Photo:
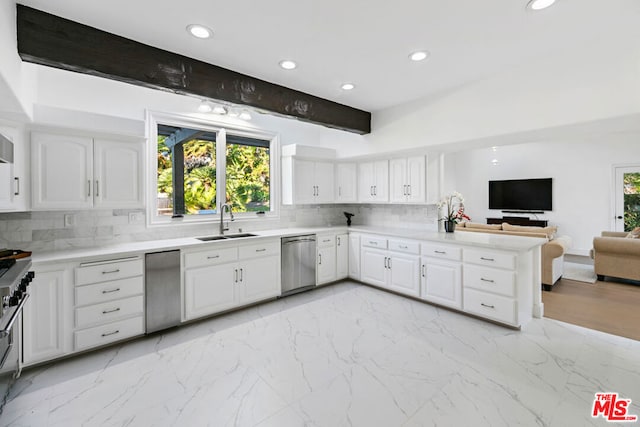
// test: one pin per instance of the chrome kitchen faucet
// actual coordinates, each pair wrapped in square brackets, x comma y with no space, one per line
[222,208]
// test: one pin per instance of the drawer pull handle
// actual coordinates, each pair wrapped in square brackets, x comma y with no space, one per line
[261,250]
[111,271]
[373,243]
[110,311]
[326,240]
[487,305]
[213,257]
[440,252]
[486,259]
[111,291]
[487,280]
[403,247]
[110,333]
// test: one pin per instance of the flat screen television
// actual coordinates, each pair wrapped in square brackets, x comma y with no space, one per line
[521,194]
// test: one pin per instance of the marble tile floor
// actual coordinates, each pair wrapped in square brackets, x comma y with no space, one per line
[341,355]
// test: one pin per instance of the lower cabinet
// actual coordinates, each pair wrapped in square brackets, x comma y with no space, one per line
[342,256]
[225,277]
[354,256]
[47,315]
[442,282]
[388,268]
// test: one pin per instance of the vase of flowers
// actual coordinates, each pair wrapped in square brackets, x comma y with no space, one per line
[454,204]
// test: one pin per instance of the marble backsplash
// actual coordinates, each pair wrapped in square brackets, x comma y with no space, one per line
[46,231]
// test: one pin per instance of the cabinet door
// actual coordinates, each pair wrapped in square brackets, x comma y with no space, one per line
[209,290]
[354,257]
[381,187]
[324,181]
[62,171]
[259,279]
[303,181]
[342,256]
[326,266]
[416,179]
[14,183]
[43,323]
[398,184]
[366,181]
[442,282]
[118,174]
[405,274]
[346,183]
[373,266]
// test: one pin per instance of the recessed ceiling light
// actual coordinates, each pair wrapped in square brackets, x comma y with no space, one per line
[199,31]
[288,64]
[204,107]
[245,115]
[419,55]
[540,4]
[219,109]
[348,86]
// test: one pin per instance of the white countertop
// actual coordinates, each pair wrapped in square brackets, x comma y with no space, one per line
[485,240]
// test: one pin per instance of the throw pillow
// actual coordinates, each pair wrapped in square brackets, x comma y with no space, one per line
[550,231]
[482,226]
[634,234]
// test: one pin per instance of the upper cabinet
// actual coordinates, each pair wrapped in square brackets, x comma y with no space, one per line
[346,183]
[77,172]
[407,180]
[14,176]
[373,181]
[308,175]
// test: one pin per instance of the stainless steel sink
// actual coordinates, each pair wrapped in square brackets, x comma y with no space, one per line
[211,238]
[236,236]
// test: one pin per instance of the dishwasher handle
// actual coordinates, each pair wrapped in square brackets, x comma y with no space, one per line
[297,241]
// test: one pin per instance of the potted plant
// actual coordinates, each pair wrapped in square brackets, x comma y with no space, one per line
[454,204]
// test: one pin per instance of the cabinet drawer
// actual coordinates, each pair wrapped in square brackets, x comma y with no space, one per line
[491,306]
[105,334]
[490,258]
[212,256]
[374,242]
[262,249]
[404,246]
[104,271]
[109,311]
[326,241]
[490,279]
[108,291]
[442,251]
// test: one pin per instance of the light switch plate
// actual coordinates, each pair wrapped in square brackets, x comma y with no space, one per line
[69,220]
[135,217]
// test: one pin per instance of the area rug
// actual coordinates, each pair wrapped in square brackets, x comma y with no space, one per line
[579,272]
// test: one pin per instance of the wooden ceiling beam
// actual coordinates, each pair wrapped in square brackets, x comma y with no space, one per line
[53,41]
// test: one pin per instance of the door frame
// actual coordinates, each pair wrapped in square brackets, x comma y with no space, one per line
[616,191]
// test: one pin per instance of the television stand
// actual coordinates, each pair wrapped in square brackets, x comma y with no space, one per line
[519,220]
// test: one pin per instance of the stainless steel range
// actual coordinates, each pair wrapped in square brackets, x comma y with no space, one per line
[14,281]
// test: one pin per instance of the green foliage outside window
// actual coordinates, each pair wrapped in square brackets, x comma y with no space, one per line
[631,201]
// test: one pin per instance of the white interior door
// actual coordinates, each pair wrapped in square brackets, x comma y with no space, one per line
[627,198]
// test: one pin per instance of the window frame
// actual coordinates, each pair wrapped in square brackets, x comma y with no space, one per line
[221,128]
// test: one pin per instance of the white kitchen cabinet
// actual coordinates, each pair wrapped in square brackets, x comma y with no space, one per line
[393,264]
[77,172]
[342,256]
[307,181]
[354,256]
[441,273]
[346,183]
[407,180]
[223,277]
[373,181]
[326,263]
[14,184]
[48,315]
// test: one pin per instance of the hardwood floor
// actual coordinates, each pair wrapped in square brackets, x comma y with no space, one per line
[607,306]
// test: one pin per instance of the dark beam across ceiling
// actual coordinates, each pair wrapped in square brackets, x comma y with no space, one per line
[57,42]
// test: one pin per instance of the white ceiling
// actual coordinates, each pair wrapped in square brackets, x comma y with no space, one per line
[363,41]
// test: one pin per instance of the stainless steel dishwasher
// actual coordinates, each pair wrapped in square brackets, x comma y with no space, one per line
[162,290]
[298,263]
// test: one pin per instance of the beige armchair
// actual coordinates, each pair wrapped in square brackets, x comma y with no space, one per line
[615,256]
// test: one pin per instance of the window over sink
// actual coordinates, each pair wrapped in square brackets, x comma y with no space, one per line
[199,166]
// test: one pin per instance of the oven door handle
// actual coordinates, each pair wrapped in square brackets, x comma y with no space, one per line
[7,329]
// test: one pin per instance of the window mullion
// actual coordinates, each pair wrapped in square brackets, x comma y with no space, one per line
[221,169]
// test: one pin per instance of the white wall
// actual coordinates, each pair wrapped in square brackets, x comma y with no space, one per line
[582,180]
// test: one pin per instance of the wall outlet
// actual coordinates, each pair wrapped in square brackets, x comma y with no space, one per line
[69,220]
[135,217]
